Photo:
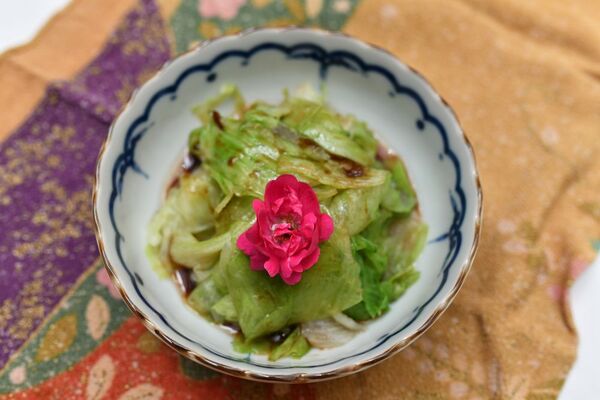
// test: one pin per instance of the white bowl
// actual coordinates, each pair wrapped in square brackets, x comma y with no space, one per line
[396,102]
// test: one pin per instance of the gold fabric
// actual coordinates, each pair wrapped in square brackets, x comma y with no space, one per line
[524,79]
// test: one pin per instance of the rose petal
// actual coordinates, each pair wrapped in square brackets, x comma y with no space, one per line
[244,242]
[311,259]
[293,278]
[272,266]
[285,270]
[325,227]
[295,243]
[308,224]
[308,198]
[257,261]
[280,187]
[258,206]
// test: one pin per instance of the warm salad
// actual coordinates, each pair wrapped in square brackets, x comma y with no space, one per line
[289,224]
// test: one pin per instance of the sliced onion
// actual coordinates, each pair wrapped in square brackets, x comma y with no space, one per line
[326,333]
[347,322]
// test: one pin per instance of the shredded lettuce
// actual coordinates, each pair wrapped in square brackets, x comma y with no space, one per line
[355,209]
[204,297]
[186,211]
[294,346]
[329,173]
[316,122]
[402,198]
[373,262]
[404,244]
[366,264]
[260,345]
[267,305]
[224,310]
[387,270]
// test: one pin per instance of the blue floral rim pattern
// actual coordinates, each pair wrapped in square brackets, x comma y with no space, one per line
[326,60]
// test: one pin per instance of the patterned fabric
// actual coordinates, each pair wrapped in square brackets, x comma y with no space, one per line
[195,20]
[46,177]
[523,83]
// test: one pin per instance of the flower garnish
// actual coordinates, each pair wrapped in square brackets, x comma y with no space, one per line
[289,226]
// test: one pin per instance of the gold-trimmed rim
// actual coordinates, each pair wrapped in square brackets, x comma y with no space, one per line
[296,377]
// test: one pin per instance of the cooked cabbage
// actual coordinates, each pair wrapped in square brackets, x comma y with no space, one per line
[366,264]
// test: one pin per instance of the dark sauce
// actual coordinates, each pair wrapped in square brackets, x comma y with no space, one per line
[305,143]
[172,184]
[190,162]
[280,336]
[351,168]
[274,339]
[354,171]
[217,119]
[185,280]
[231,327]
[386,156]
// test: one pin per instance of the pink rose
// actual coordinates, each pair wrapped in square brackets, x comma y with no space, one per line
[289,226]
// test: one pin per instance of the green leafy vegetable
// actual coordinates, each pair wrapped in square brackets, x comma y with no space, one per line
[396,285]
[373,263]
[355,209]
[204,296]
[404,244]
[317,122]
[366,264]
[185,211]
[228,92]
[405,199]
[260,345]
[386,271]
[329,173]
[294,346]
[224,310]
[267,305]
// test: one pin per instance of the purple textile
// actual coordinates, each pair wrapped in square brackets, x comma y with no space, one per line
[46,176]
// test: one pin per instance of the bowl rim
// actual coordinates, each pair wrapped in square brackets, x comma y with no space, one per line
[338,372]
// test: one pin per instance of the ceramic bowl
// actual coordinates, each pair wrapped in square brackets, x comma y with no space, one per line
[398,104]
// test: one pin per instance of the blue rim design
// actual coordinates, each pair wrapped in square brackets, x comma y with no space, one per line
[325,59]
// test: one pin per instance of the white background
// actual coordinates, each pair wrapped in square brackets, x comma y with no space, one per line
[20,20]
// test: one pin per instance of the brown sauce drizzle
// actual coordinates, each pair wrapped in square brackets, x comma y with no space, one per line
[354,171]
[351,168]
[185,280]
[190,162]
[217,119]
[231,327]
[280,336]
[172,184]
[304,143]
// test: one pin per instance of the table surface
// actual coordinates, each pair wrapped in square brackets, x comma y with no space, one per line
[20,21]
